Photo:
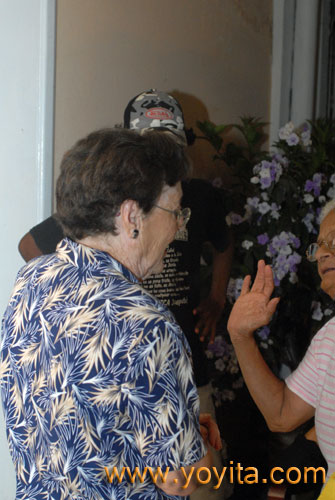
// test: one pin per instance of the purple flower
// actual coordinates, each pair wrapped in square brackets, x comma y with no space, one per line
[253,202]
[293,261]
[292,139]
[296,242]
[263,333]
[265,182]
[235,219]
[263,239]
[309,186]
[314,185]
[276,281]
[218,347]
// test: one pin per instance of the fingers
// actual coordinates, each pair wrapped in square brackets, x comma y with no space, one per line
[218,444]
[258,284]
[268,281]
[205,418]
[246,285]
[263,282]
[213,333]
[204,432]
[205,330]
[273,305]
[214,436]
[206,325]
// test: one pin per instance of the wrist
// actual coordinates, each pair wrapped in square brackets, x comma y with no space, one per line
[242,338]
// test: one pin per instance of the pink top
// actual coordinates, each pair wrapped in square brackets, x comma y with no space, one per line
[314,382]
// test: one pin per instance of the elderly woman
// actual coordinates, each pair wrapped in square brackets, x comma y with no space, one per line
[310,390]
[95,372]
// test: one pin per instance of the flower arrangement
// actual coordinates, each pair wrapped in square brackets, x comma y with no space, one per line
[274,209]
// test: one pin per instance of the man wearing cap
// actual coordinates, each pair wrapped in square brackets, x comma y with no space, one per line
[178,286]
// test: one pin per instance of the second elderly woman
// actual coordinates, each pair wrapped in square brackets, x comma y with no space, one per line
[95,371]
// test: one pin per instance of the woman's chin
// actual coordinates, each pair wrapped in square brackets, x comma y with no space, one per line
[328,286]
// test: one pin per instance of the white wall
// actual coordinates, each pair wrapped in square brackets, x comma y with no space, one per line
[294,62]
[26,123]
[214,55]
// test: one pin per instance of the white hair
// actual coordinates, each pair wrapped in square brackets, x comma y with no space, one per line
[328,207]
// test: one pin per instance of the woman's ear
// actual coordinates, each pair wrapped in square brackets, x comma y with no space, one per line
[130,218]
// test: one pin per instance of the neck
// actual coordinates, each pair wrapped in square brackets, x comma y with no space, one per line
[116,247]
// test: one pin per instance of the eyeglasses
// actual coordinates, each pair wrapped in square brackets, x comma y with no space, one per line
[329,243]
[182,215]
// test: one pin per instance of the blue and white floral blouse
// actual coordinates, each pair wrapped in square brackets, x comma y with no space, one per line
[95,373]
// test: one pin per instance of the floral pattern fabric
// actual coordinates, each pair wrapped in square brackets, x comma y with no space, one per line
[95,373]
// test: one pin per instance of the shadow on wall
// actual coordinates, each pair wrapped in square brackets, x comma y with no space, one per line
[201,151]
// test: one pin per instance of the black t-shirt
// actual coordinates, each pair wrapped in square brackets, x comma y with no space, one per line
[47,235]
[178,286]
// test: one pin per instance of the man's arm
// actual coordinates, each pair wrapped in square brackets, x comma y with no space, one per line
[210,309]
[28,248]
[41,239]
[282,408]
[183,483]
[176,480]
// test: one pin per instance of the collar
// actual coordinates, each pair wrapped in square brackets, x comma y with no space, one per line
[85,257]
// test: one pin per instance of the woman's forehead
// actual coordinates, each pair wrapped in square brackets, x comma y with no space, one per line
[172,192]
[327,225]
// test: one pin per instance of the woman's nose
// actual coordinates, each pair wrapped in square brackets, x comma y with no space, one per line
[323,251]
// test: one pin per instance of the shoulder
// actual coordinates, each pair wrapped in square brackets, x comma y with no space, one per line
[325,337]
[51,222]
[47,234]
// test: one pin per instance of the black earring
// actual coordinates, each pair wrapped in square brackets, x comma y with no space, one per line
[135,233]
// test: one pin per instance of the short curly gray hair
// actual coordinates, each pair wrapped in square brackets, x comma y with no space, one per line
[328,207]
[110,166]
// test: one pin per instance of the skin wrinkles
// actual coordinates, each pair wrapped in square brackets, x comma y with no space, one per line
[325,257]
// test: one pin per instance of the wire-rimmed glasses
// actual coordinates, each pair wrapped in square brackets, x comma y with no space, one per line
[329,243]
[182,215]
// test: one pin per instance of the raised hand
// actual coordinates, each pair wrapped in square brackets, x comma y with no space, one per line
[254,307]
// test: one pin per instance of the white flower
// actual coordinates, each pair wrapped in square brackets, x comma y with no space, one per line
[286,131]
[328,312]
[265,196]
[322,199]
[247,244]
[219,365]
[275,211]
[264,208]
[234,289]
[285,250]
[275,214]
[332,179]
[265,173]
[331,193]
[308,198]
[317,312]
[306,138]
[293,278]
[307,220]
[252,202]
[254,180]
